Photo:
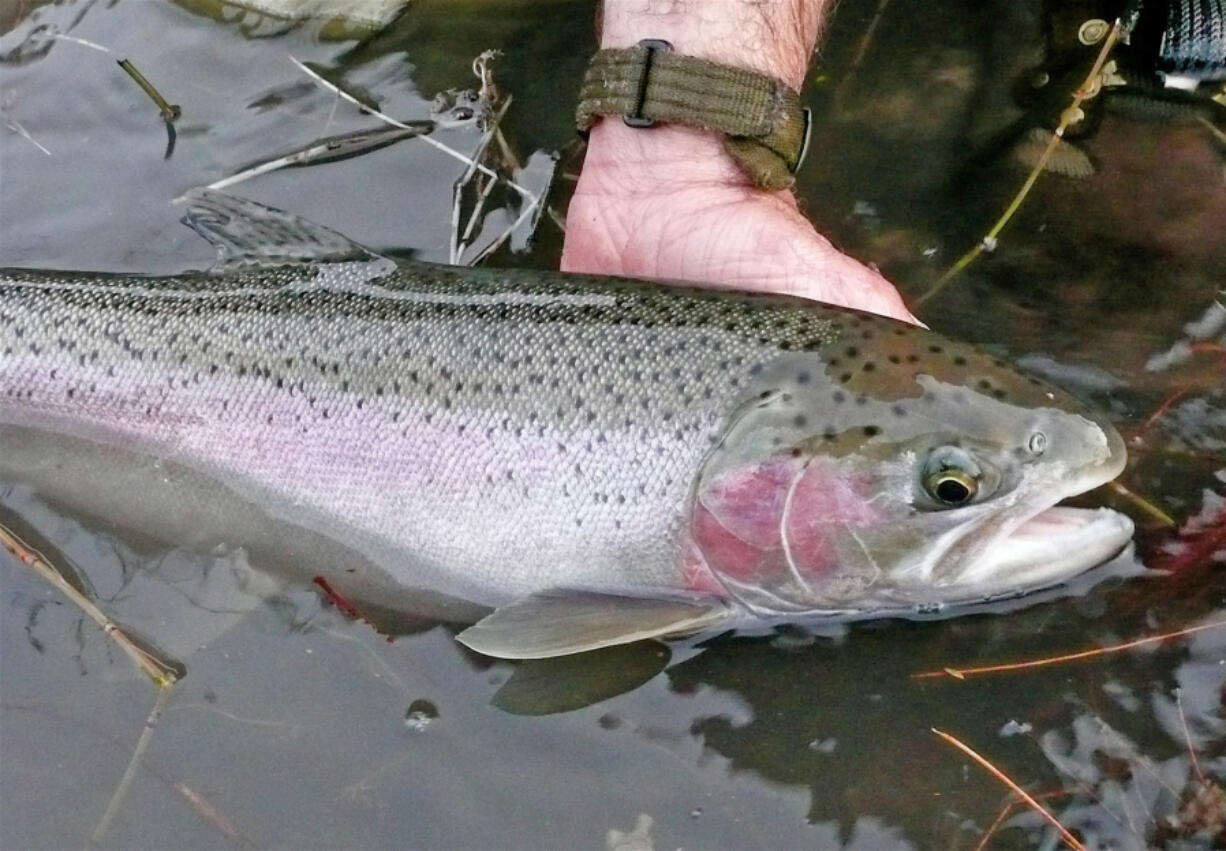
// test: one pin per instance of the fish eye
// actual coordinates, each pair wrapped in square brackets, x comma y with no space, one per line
[953,487]
[951,476]
[1038,443]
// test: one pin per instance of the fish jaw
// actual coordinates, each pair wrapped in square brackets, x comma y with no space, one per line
[1048,548]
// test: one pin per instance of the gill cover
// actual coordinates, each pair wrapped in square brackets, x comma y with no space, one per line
[779,526]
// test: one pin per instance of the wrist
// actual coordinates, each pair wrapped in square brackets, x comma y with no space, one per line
[771,37]
[660,159]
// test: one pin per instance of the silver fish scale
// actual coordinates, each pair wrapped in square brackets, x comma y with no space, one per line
[488,433]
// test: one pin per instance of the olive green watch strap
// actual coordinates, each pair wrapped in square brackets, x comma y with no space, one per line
[765,129]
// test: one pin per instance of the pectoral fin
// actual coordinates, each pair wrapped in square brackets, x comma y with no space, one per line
[558,623]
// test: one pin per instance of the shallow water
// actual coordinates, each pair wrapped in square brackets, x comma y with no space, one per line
[296,727]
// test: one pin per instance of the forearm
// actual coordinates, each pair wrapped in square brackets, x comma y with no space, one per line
[772,37]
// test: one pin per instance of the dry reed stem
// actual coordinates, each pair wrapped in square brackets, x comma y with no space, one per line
[1004,814]
[963,673]
[1018,790]
[142,744]
[161,672]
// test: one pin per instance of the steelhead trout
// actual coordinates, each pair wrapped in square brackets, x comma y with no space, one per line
[595,460]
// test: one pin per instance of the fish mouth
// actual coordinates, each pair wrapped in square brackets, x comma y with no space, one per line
[1053,545]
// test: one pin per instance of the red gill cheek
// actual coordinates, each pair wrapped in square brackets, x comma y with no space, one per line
[749,502]
[824,504]
[740,521]
[737,527]
[724,552]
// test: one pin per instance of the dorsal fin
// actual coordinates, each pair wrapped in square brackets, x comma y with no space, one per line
[247,233]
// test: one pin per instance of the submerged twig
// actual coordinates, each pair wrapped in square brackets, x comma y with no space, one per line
[328,150]
[1090,87]
[162,671]
[1017,790]
[212,815]
[963,673]
[142,744]
[862,47]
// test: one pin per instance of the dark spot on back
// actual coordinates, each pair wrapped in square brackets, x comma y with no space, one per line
[871,431]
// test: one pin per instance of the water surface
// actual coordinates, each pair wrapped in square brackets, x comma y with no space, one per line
[302,729]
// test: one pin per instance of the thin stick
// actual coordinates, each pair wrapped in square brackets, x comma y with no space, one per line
[457,198]
[1187,736]
[1088,88]
[211,814]
[170,111]
[466,239]
[996,823]
[1004,814]
[861,51]
[963,673]
[493,246]
[1162,409]
[1144,504]
[162,672]
[75,40]
[21,131]
[1018,790]
[121,791]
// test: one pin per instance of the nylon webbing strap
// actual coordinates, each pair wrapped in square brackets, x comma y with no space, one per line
[765,130]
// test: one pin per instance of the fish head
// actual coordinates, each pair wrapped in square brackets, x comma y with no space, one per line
[897,470]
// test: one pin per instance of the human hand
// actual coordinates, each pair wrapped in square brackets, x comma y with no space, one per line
[676,207]
[669,203]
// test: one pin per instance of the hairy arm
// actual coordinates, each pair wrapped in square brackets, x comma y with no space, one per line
[668,202]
